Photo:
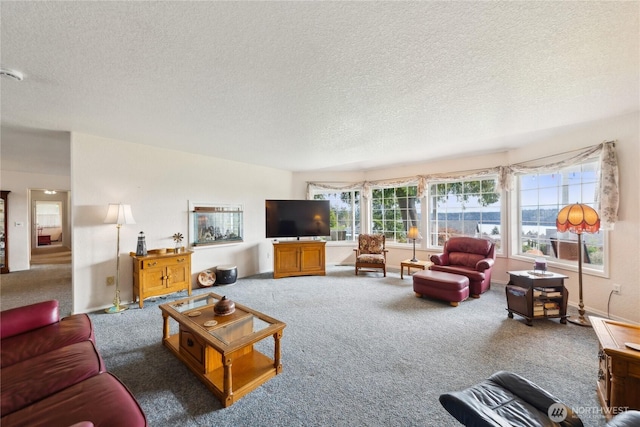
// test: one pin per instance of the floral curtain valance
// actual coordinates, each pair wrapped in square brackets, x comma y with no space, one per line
[607,197]
[607,194]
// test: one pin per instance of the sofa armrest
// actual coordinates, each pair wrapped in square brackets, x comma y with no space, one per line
[440,259]
[484,264]
[23,319]
[534,395]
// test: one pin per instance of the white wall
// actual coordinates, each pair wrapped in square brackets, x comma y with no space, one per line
[19,183]
[624,241]
[158,184]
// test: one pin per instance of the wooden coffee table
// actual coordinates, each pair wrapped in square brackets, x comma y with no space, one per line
[422,265]
[222,355]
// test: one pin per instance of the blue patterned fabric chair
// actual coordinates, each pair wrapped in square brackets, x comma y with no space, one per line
[371,254]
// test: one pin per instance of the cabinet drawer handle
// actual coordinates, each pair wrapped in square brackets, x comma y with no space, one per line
[152,264]
[181,260]
[189,342]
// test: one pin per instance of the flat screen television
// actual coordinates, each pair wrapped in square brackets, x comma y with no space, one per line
[297,218]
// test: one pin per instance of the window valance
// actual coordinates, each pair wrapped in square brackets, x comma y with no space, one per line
[607,194]
[607,197]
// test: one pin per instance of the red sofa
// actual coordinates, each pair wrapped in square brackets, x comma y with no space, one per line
[470,257]
[52,374]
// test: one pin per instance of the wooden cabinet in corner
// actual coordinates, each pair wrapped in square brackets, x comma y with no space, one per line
[298,258]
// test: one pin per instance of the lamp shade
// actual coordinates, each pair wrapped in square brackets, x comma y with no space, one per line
[119,214]
[413,232]
[578,218]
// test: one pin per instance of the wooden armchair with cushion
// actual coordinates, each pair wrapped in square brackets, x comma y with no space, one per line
[371,253]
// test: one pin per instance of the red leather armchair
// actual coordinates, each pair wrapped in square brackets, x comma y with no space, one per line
[470,257]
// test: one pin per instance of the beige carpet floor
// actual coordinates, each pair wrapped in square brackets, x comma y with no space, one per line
[55,254]
[48,278]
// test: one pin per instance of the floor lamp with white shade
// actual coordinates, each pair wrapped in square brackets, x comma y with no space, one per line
[120,215]
[578,219]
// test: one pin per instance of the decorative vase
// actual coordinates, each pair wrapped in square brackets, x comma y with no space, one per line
[224,307]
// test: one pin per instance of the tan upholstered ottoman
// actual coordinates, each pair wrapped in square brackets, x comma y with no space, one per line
[440,285]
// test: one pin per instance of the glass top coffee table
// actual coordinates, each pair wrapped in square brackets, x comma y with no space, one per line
[219,350]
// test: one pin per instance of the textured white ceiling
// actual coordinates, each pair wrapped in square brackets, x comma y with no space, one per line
[319,85]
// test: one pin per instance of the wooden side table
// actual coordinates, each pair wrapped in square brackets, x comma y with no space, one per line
[528,294]
[618,380]
[422,265]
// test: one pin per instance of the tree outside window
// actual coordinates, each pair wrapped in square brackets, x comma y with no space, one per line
[394,210]
[465,208]
[344,213]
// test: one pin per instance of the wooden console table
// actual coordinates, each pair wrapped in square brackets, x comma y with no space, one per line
[618,385]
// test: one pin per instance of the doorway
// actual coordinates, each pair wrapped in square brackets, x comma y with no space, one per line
[48,216]
[50,229]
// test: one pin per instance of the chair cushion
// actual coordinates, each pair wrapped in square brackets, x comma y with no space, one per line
[506,400]
[101,399]
[69,330]
[371,243]
[472,274]
[28,381]
[371,259]
[465,259]
[469,245]
[23,319]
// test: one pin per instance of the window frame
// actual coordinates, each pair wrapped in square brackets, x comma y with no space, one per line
[515,218]
[356,230]
[419,215]
[501,249]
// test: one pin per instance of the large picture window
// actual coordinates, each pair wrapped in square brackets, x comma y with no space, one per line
[469,207]
[345,213]
[394,210]
[541,196]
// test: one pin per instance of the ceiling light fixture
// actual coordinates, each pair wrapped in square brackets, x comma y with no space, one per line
[50,191]
[13,74]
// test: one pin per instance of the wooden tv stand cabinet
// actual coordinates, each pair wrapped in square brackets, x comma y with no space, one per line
[298,258]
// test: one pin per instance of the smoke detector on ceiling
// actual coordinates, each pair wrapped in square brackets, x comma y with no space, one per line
[12,74]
